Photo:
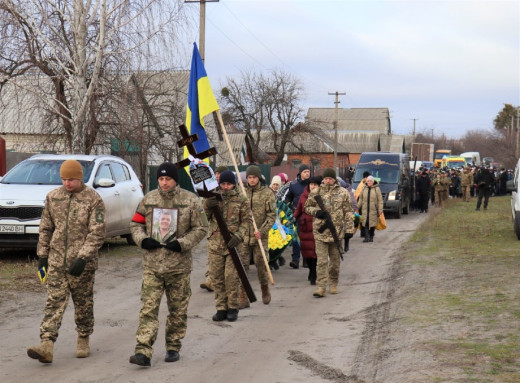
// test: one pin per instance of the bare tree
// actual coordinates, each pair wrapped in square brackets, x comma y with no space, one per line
[80,46]
[258,103]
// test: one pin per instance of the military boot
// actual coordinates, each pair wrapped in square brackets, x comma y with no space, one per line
[82,349]
[232,315]
[207,285]
[320,292]
[43,352]
[333,289]
[266,295]
[243,300]
[220,315]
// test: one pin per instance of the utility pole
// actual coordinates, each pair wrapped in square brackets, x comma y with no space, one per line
[336,102]
[414,119]
[202,25]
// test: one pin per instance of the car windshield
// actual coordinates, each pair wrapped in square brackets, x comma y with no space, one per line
[42,172]
[383,174]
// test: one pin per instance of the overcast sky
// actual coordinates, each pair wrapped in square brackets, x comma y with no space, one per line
[449,64]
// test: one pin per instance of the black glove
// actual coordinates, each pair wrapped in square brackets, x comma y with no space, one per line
[77,266]
[43,262]
[174,246]
[348,235]
[234,241]
[150,244]
[321,214]
[211,202]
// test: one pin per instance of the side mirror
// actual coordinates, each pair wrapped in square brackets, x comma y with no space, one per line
[105,183]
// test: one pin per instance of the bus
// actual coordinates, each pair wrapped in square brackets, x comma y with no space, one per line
[439,155]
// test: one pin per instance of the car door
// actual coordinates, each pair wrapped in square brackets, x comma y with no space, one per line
[111,198]
[129,193]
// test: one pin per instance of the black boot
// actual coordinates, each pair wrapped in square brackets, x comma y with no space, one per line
[220,315]
[140,360]
[232,315]
[281,261]
[371,234]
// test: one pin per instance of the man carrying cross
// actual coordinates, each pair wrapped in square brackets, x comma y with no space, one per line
[223,274]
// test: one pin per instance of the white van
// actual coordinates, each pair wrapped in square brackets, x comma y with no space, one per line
[515,201]
[472,158]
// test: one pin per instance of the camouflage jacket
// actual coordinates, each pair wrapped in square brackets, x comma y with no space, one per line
[235,212]
[72,226]
[338,204]
[467,179]
[262,202]
[191,228]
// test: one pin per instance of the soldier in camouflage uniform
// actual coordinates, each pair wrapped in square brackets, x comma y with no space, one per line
[261,201]
[438,187]
[467,184]
[207,281]
[166,267]
[339,207]
[223,273]
[72,229]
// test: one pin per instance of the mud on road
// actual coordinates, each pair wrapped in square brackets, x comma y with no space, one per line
[339,338]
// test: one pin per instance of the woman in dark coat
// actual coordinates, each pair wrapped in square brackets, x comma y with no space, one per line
[307,245]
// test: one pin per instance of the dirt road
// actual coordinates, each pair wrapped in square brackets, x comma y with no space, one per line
[297,338]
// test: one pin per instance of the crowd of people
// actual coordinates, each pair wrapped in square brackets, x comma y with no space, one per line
[170,221]
[437,185]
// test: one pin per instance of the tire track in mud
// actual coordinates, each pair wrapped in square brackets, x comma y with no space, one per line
[321,369]
[372,349]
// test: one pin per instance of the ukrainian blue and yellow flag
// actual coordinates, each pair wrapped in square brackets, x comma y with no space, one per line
[201,102]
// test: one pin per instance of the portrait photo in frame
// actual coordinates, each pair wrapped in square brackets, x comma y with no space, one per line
[164,224]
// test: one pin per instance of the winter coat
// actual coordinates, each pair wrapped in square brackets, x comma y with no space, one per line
[296,189]
[371,204]
[423,185]
[307,244]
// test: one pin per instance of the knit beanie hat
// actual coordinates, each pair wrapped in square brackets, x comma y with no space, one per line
[276,180]
[227,176]
[169,170]
[71,169]
[283,177]
[253,170]
[329,172]
[220,169]
[303,167]
[316,180]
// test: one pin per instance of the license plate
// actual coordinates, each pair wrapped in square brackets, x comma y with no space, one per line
[14,229]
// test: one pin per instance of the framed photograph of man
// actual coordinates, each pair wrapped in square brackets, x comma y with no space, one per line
[164,224]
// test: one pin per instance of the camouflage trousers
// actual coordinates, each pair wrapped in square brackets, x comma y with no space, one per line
[466,192]
[327,269]
[245,253]
[225,280]
[440,197]
[60,284]
[177,289]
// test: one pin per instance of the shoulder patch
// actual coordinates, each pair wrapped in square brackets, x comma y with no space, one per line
[100,215]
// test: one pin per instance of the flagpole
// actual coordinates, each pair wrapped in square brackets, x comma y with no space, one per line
[242,188]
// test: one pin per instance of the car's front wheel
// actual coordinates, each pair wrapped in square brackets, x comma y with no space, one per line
[516,224]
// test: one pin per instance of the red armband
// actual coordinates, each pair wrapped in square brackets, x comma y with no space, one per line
[139,218]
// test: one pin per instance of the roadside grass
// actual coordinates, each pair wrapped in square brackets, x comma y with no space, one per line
[469,291]
[18,267]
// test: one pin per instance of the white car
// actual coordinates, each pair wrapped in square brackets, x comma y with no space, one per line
[515,201]
[24,188]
